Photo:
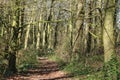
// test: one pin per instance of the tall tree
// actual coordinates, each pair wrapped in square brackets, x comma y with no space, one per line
[13,31]
[78,24]
[118,22]
[109,42]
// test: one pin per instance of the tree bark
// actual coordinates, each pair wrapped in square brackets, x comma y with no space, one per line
[38,34]
[12,62]
[27,36]
[108,33]
[110,67]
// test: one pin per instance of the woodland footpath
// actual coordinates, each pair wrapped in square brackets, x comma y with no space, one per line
[60,39]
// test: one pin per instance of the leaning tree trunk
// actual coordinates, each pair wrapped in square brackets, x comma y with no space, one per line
[78,24]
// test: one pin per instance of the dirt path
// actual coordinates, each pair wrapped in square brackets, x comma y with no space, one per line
[47,70]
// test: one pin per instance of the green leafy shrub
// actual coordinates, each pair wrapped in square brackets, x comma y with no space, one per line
[64,51]
[78,68]
[95,76]
[45,52]
[26,59]
[110,69]
[86,68]
[3,60]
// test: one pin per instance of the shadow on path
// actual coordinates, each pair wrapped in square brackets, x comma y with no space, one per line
[46,70]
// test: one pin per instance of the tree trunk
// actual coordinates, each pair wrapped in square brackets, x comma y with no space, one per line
[87,36]
[79,21]
[38,35]
[27,36]
[118,23]
[108,33]
[12,62]
[108,43]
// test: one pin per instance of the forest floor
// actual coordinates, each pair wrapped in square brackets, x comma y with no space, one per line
[46,70]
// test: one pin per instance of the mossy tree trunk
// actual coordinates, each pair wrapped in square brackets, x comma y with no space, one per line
[38,34]
[87,26]
[13,41]
[110,68]
[118,23]
[78,24]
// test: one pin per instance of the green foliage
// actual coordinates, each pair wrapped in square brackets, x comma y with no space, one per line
[3,65]
[53,57]
[45,52]
[95,76]
[87,68]
[78,68]
[118,57]
[110,69]
[64,51]
[26,59]
[3,60]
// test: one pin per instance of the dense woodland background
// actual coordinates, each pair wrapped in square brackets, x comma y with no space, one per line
[83,36]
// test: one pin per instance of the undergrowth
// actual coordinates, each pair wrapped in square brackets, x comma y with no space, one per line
[90,66]
[26,59]
[3,60]
[86,68]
